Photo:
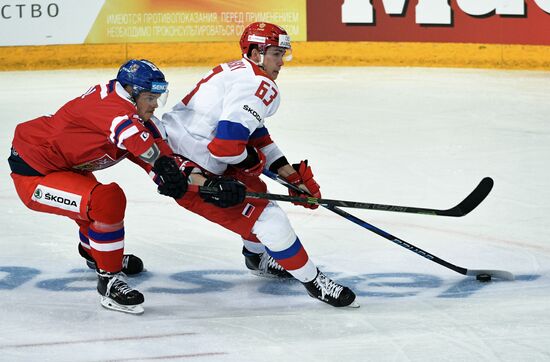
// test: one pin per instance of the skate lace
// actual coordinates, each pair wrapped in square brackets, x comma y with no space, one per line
[125,261]
[327,286]
[267,262]
[119,284]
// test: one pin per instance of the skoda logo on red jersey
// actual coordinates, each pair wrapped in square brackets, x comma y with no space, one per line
[38,193]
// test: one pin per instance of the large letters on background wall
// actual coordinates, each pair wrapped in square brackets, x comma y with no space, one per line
[435,11]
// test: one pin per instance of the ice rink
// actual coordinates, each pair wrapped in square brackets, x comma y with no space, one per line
[405,136]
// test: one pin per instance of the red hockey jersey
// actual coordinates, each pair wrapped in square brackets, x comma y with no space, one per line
[91,132]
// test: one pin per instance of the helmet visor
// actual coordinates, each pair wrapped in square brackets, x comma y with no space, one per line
[162,89]
[154,99]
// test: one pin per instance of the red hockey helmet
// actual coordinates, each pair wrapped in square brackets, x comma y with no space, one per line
[264,35]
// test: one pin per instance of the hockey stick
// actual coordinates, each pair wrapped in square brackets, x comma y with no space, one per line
[469,272]
[468,204]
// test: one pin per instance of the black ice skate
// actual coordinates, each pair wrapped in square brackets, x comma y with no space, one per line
[117,295]
[330,292]
[131,264]
[264,265]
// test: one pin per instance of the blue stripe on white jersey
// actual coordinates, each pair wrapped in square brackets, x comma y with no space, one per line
[228,130]
[259,132]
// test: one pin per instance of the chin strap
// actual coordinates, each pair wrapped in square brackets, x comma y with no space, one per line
[260,63]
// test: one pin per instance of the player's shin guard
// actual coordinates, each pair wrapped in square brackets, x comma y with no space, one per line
[131,264]
[107,245]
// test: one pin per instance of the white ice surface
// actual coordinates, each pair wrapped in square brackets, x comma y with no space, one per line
[407,136]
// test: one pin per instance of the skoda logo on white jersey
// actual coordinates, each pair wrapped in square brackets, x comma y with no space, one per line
[252,112]
[57,198]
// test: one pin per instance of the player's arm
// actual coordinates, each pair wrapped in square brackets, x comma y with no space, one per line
[157,161]
[150,152]
[243,113]
[299,175]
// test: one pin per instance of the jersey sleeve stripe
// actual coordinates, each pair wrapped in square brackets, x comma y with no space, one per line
[261,142]
[220,148]
[228,130]
[121,129]
[259,132]
[117,125]
[127,133]
[230,142]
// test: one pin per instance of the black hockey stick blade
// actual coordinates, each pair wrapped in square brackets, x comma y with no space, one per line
[471,201]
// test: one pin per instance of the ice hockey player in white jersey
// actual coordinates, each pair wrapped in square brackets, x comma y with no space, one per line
[220,125]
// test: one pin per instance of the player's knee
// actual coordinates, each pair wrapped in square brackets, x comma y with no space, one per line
[273,228]
[107,204]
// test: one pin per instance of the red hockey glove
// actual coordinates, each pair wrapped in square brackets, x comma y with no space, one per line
[303,178]
[253,164]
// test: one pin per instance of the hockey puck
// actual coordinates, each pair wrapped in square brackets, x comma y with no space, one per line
[484,278]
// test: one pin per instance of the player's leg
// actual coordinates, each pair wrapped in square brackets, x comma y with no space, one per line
[255,257]
[273,229]
[101,207]
[131,264]
[259,261]
[270,225]
[106,239]
[239,219]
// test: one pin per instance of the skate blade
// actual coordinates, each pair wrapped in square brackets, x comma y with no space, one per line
[112,305]
[269,275]
[353,304]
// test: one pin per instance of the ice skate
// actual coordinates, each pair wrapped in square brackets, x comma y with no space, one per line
[117,295]
[131,264]
[264,265]
[330,292]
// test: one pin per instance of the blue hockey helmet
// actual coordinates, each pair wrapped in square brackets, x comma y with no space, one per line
[142,76]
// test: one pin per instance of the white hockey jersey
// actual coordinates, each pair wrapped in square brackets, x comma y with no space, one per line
[223,114]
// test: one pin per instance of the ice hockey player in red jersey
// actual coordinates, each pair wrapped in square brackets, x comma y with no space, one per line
[53,157]
[220,126]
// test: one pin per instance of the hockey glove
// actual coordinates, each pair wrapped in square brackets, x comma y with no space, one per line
[173,181]
[230,192]
[253,164]
[303,178]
